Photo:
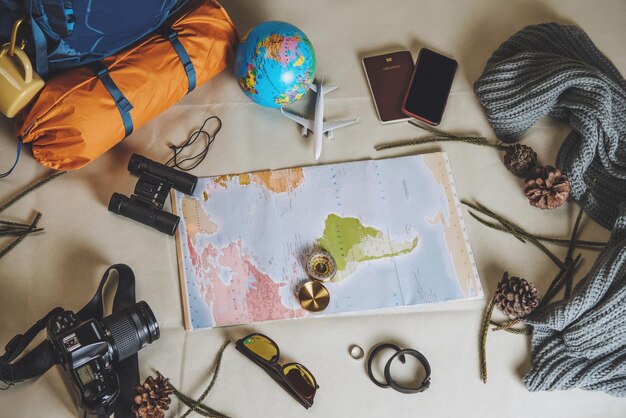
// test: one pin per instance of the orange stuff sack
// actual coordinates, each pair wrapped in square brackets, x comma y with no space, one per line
[82,113]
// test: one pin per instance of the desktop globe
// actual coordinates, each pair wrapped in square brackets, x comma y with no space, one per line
[275,64]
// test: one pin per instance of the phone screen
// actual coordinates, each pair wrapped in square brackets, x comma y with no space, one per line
[430,86]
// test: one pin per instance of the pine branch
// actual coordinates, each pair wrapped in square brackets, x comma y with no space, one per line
[196,405]
[18,232]
[558,282]
[573,240]
[13,224]
[507,326]
[30,189]
[516,230]
[440,136]
[12,245]
[437,132]
[198,408]
[430,140]
[28,229]
[517,235]
[522,235]
[484,329]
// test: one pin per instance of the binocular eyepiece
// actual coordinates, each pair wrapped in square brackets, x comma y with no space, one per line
[154,184]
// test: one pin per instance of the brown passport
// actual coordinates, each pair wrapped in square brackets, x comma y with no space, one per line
[389,76]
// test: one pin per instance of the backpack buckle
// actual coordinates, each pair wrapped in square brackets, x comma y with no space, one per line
[170,34]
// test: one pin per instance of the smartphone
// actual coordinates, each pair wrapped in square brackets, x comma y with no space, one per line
[430,86]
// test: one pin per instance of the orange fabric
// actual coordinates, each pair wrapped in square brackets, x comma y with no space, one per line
[75,119]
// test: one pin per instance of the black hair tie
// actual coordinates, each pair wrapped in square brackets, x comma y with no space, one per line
[400,355]
[373,354]
[420,357]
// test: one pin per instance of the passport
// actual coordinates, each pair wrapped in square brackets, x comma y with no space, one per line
[389,76]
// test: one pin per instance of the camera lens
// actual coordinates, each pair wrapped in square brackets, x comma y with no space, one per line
[131,329]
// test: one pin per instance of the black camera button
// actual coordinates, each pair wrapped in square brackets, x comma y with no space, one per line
[88,393]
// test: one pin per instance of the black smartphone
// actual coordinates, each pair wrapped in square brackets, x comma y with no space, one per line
[430,86]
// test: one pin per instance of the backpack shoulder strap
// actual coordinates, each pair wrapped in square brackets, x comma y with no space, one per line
[13,5]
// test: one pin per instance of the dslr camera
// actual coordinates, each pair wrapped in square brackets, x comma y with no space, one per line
[90,350]
[97,352]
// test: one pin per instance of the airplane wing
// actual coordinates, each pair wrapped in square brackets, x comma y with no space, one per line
[306,123]
[329,126]
[325,89]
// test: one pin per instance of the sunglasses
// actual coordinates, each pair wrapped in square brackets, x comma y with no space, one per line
[296,379]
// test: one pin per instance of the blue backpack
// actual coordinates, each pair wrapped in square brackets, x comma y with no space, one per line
[70,33]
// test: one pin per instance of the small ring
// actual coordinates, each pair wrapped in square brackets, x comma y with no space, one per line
[373,354]
[356,352]
[403,389]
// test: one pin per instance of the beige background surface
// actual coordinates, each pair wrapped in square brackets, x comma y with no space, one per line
[63,265]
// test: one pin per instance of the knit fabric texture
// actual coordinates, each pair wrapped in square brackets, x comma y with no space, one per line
[552,69]
[581,342]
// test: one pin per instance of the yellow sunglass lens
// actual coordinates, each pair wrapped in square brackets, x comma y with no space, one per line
[300,379]
[261,346]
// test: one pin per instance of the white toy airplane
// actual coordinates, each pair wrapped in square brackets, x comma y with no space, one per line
[317,125]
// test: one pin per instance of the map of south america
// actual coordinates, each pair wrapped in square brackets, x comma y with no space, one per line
[351,243]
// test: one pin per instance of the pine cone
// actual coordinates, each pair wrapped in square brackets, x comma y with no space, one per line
[153,397]
[520,159]
[546,187]
[515,297]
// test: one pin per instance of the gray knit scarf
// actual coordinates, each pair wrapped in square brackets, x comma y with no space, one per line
[556,70]
[581,342]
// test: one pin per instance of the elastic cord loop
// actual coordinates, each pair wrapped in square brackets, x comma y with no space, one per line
[17,158]
[177,150]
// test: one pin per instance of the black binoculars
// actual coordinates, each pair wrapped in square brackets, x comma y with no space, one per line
[154,184]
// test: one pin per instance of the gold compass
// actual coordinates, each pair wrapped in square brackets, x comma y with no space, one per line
[313,296]
[321,265]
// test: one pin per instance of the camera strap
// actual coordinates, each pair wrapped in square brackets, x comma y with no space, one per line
[41,358]
[128,370]
[34,363]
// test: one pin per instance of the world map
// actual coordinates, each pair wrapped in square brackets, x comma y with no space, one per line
[393,226]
